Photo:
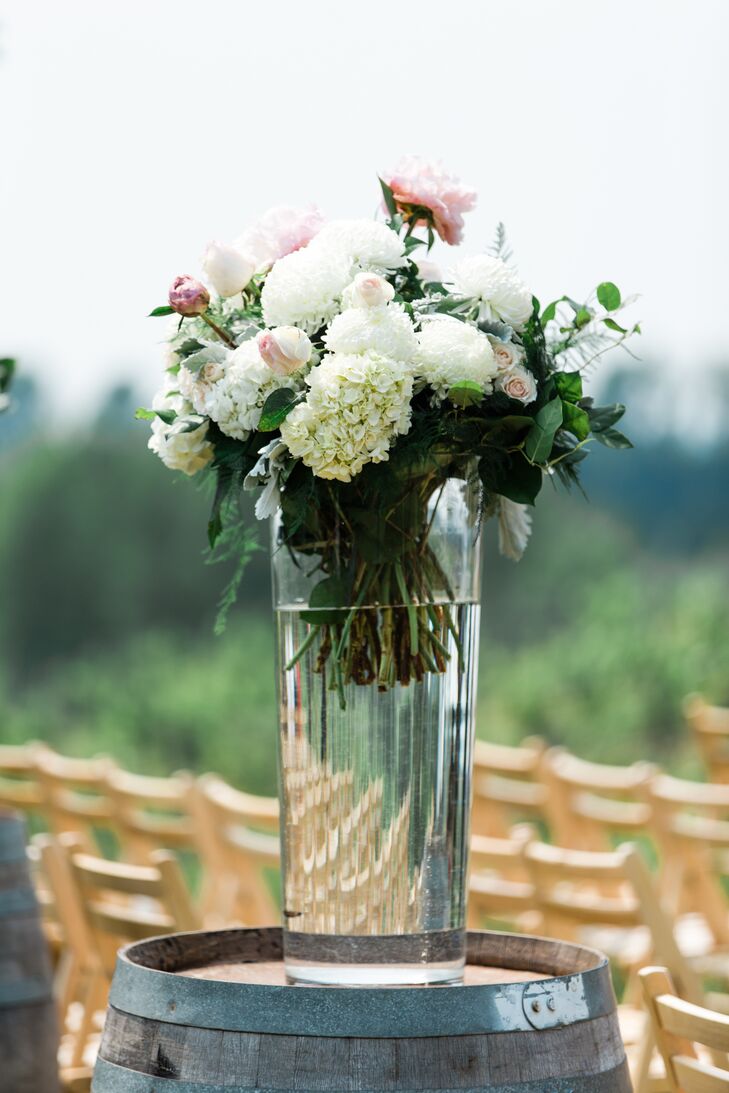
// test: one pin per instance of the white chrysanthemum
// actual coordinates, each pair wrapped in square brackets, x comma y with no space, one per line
[502,293]
[235,400]
[356,406]
[183,445]
[303,289]
[386,330]
[367,243]
[451,351]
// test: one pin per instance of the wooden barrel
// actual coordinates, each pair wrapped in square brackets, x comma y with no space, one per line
[211,1013]
[28,1029]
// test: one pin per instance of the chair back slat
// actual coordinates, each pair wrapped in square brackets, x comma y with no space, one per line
[506,786]
[678,1026]
[591,805]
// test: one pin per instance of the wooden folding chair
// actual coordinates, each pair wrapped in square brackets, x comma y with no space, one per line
[678,1026]
[500,889]
[710,728]
[74,793]
[81,981]
[151,813]
[691,824]
[238,835]
[506,786]
[608,899]
[19,788]
[592,806]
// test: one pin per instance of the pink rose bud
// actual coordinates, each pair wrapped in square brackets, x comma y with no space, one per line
[285,349]
[370,290]
[188,297]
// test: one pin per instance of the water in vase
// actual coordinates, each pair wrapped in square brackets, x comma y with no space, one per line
[375,792]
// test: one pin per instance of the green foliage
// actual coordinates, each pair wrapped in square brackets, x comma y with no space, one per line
[158,312]
[277,408]
[608,295]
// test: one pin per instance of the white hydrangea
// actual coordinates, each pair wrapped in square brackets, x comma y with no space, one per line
[356,406]
[451,351]
[304,288]
[368,244]
[502,293]
[233,394]
[386,330]
[183,445]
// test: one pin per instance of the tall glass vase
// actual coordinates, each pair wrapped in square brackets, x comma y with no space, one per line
[375,752]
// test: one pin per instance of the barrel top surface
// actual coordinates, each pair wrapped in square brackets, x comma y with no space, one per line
[234,980]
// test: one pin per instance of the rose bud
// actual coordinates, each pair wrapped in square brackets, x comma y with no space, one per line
[188,297]
[370,290]
[227,269]
[285,349]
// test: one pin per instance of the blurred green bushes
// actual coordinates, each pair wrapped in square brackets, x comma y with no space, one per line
[106,613]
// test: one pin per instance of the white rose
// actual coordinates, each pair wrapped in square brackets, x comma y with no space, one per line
[428,271]
[507,354]
[285,349]
[368,290]
[227,269]
[518,384]
[180,446]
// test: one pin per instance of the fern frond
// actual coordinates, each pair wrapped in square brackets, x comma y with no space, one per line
[500,247]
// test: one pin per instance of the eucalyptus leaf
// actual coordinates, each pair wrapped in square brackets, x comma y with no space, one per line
[326,602]
[277,407]
[575,420]
[603,417]
[518,480]
[612,438]
[540,438]
[569,385]
[608,295]
[208,354]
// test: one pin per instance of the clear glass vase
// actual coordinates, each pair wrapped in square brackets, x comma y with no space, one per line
[375,753]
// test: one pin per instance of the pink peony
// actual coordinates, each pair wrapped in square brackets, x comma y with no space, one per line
[188,296]
[280,231]
[417,181]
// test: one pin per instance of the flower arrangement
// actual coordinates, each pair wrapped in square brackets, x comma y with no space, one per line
[331,367]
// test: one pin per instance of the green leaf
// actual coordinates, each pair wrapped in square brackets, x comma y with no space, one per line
[165,309]
[168,416]
[390,203]
[466,393]
[326,602]
[582,317]
[550,311]
[277,407]
[608,295]
[602,417]
[611,438]
[575,420]
[520,481]
[569,385]
[540,438]
[7,368]
[612,325]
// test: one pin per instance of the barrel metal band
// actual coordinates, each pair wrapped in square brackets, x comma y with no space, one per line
[110,1078]
[365,1012]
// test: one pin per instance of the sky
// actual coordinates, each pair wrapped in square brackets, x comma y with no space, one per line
[136,131]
